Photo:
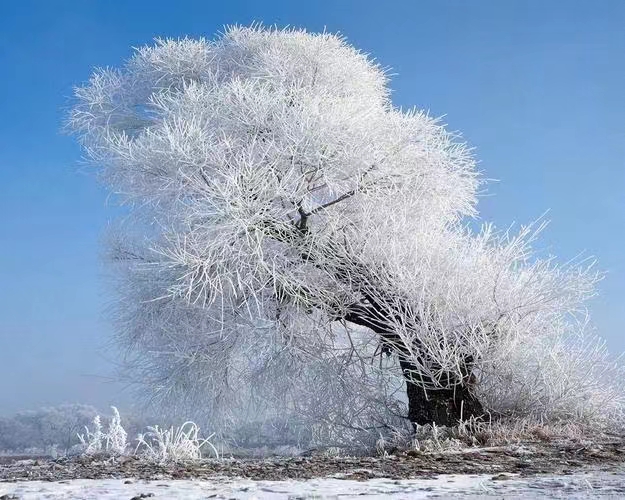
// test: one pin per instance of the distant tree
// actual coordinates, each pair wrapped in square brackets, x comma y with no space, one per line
[288,225]
[45,428]
[12,435]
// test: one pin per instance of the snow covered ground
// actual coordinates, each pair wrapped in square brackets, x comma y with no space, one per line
[580,485]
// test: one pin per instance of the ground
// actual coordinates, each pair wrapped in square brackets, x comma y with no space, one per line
[534,470]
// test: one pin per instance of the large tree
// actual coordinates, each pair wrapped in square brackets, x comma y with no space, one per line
[284,213]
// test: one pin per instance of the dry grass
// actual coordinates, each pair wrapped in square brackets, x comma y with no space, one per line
[475,433]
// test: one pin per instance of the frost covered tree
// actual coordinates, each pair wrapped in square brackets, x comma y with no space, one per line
[295,238]
[45,429]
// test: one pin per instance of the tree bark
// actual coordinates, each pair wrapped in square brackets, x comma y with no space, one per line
[443,407]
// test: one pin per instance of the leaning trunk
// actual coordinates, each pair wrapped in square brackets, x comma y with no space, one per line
[441,406]
[444,406]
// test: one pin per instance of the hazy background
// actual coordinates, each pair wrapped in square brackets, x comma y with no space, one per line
[537,87]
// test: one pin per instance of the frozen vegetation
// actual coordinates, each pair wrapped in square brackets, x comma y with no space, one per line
[172,463]
[156,445]
[55,430]
[296,266]
[74,429]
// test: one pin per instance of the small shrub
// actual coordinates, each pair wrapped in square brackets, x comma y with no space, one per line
[160,445]
[173,444]
[93,442]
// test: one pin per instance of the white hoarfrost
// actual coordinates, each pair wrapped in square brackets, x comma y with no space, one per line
[156,445]
[173,444]
[277,198]
[113,440]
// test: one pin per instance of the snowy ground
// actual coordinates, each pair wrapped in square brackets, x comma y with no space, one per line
[579,485]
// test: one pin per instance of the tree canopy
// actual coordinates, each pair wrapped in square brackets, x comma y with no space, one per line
[297,245]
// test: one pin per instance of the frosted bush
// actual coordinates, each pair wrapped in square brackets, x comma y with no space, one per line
[173,444]
[93,441]
[116,435]
[113,440]
[157,444]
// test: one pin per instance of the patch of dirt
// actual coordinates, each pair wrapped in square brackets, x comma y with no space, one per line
[525,459]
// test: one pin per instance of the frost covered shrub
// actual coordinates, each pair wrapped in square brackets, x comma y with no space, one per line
[157,444]
[113,440]
[298,247]
[93,441]
[173,444]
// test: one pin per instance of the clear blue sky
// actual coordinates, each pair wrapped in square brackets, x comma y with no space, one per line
[537,87]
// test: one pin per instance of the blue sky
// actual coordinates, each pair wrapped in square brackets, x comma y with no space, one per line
[538,88]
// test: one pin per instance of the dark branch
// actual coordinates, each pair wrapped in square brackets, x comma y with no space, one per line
[318,209]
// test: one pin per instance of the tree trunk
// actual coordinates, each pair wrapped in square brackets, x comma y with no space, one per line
[441,407]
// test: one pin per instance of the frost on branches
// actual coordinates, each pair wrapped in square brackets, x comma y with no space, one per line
[297,249]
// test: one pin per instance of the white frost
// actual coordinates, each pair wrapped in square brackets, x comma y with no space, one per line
[279,199]
[579,485]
